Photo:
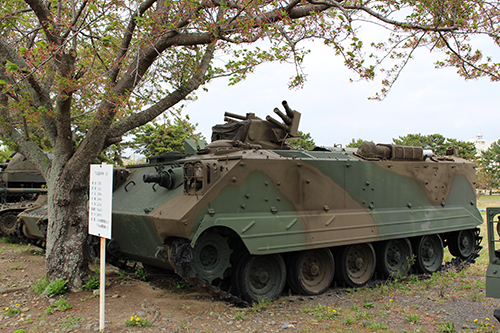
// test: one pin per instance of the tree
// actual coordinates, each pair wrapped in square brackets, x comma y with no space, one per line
[305,142]
[82,74]
[489,167]
[154,139]
[355,143]
[438,144]
[5,153]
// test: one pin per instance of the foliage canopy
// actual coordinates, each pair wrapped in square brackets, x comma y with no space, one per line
[305,142]
[489,167]
[156,138]
[75,77]
[438,144]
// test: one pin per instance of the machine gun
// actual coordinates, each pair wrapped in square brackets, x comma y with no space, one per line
[250,129]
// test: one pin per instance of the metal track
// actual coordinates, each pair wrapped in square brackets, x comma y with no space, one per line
[182,257]
[25,240]
[459,263]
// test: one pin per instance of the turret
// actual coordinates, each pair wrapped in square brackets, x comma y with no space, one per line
[256,132]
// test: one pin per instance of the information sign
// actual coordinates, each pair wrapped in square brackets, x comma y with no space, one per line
[101,193]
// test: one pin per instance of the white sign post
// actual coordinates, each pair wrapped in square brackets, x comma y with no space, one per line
[100,198]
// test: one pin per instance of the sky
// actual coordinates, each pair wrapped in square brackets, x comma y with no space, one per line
[334,110]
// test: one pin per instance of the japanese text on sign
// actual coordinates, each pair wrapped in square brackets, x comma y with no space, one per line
[100,200]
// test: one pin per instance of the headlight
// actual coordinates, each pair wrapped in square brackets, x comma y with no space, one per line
[188,171]
[198,171]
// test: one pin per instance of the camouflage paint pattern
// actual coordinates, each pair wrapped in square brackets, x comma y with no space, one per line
[282,201]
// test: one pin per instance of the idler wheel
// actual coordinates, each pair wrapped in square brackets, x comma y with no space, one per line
[355,264]
[311,272]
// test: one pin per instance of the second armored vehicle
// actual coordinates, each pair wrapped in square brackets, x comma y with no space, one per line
[20,185]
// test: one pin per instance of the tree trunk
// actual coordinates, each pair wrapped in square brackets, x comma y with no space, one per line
[66,245]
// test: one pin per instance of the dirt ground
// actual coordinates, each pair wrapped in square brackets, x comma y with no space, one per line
[447,302]
[452,301]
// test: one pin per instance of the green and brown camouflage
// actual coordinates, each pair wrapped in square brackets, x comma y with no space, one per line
[247,211]
[20,180]
[20,185]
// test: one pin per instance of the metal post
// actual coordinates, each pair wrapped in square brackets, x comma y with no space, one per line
[102,284]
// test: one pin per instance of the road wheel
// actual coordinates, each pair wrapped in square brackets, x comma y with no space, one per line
[355,264]
[261,277]
[394,258]
[311,272]
[461,243]
[429,251]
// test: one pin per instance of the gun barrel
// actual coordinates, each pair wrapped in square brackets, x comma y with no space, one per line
[233,115]
[289,111]
[277,123]
[287,120]
[22,190]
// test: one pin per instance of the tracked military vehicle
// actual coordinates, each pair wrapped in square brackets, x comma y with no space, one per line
[20,185]
[247,214]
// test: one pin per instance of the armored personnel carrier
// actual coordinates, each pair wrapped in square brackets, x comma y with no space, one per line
[247,214]
[20,185]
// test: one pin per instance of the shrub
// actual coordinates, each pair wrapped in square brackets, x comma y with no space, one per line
[92,284]
[40,285]
[57,287]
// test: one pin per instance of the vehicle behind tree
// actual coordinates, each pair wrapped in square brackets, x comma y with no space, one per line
[20,186]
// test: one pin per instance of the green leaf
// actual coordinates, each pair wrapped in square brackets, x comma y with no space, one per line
[106,40]
[11,67]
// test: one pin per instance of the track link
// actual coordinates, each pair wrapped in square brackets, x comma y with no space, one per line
[182,257]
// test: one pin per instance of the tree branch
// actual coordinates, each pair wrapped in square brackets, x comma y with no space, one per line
[40,95]
[465,61]
[141,118]
[124,47]
[46,20]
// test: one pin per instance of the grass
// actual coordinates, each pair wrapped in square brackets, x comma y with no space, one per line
[39,286]
[366,309]
[69,322]
[57,287]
